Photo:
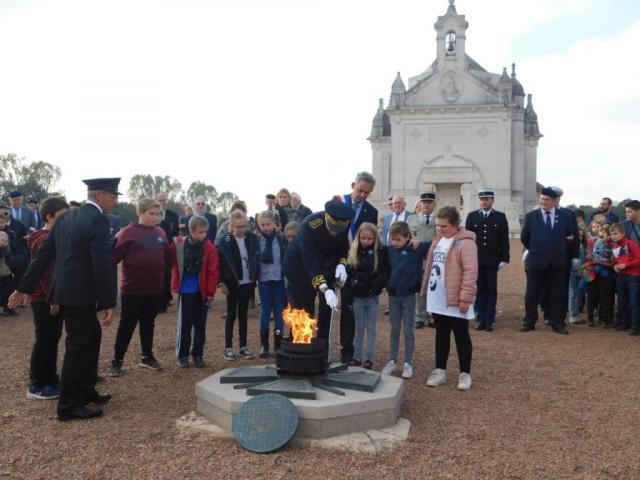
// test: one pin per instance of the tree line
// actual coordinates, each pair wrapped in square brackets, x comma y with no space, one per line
[39,179]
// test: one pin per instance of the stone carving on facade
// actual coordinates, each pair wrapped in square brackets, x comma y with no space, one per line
[450,86]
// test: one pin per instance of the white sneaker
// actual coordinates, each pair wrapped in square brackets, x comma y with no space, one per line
[464,381]
[437,377]
[407,371]
[389,368]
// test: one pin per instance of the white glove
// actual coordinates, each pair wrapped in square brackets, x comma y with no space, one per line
[524,256]
[331,298]
[575,263]
[341,274]
[501,265]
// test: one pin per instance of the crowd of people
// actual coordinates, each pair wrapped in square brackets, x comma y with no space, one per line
[62,259]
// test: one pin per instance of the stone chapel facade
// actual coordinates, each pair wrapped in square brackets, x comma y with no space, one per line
[457,129]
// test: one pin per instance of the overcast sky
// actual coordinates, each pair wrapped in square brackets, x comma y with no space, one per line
[251,96]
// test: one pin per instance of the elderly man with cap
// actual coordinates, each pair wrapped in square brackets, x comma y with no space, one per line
[492,238]
[315,262]
[21,213]
[547,236]
[82,286]
[423,228]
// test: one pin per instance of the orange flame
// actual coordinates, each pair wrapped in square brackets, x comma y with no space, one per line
[302,325]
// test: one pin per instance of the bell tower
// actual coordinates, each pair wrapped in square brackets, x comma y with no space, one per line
[450,36]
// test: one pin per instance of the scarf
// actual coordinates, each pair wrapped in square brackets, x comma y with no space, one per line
[193,256]
[267,255]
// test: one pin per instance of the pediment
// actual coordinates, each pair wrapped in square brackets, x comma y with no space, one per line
[449,87]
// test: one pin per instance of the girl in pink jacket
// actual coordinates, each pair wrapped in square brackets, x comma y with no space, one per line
[450,285]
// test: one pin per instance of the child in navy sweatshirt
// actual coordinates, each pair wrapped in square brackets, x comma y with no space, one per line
[405,279]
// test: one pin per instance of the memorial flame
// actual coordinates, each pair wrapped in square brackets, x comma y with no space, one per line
[301,324]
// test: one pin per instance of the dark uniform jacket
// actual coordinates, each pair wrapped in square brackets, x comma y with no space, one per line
[492,237]
[170,225]
[555,247]
[314,254]
[82,276]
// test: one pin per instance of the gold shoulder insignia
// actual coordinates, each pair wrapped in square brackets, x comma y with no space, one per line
[316,223]
[317,281]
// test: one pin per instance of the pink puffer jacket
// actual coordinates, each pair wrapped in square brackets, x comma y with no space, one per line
[461,268]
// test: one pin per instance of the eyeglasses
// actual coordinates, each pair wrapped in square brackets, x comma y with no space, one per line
[200,203]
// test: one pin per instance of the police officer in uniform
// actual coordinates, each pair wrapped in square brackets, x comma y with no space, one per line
[82,286]
[492,238]
[423,228]
[315,262]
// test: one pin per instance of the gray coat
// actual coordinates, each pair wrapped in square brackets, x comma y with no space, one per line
[419,228]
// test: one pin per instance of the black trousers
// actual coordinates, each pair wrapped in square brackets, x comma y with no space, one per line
[80,365]
[165,297]
[347,325]
[7,285]
[44,355]
[136,309]
[601,295]
[460,327]
[487,295]
[192,314]
[238,305]
[558,293]
[301,294]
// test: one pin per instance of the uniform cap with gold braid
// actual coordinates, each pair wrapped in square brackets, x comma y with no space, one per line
[338,215]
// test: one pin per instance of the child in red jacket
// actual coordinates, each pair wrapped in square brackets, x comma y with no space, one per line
[43,377]
[626,263]
[195,278]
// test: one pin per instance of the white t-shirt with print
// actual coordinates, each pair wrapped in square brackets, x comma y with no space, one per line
[437,289]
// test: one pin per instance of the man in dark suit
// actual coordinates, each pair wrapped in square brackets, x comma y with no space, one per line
[170,224]
[492,238]
[32,203]
[81,285]
[21,213]
[632,223]
[547,235]
[363,211]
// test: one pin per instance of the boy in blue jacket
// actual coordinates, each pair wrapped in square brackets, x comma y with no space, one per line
[405,261]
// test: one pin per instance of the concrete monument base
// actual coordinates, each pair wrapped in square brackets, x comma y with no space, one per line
[329,415]
[370,441]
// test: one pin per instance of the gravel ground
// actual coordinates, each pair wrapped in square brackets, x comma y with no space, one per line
[542,406]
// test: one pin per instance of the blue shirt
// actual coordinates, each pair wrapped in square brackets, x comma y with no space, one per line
[190,284]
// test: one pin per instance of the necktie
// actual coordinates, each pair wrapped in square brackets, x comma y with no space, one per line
[485,215]
[427,220]
[548,220]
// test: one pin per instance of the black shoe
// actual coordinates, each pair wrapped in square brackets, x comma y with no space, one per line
[264,343]
[527,328]
[115,369]
[488,328]
[478,326]
[386,312]
[149,362]
[420,323]
[98,399]
[100,379]
[79,413]
[560,329]
[634,332]
[199,362]
[9,312]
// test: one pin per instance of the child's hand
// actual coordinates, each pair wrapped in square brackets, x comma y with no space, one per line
[54,309]
[619,267]
[463,307]
[415,244]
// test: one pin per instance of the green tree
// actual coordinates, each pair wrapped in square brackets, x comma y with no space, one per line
[225,200]
[33,179]
[201,189]
[147,186]
[127,213]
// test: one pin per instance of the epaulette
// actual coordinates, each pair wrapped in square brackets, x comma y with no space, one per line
[317,281]
[316,223]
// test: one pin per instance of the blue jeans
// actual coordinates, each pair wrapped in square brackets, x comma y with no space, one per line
[401,313]
[365,311]
[574,298]
[273,298]
[628,288]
